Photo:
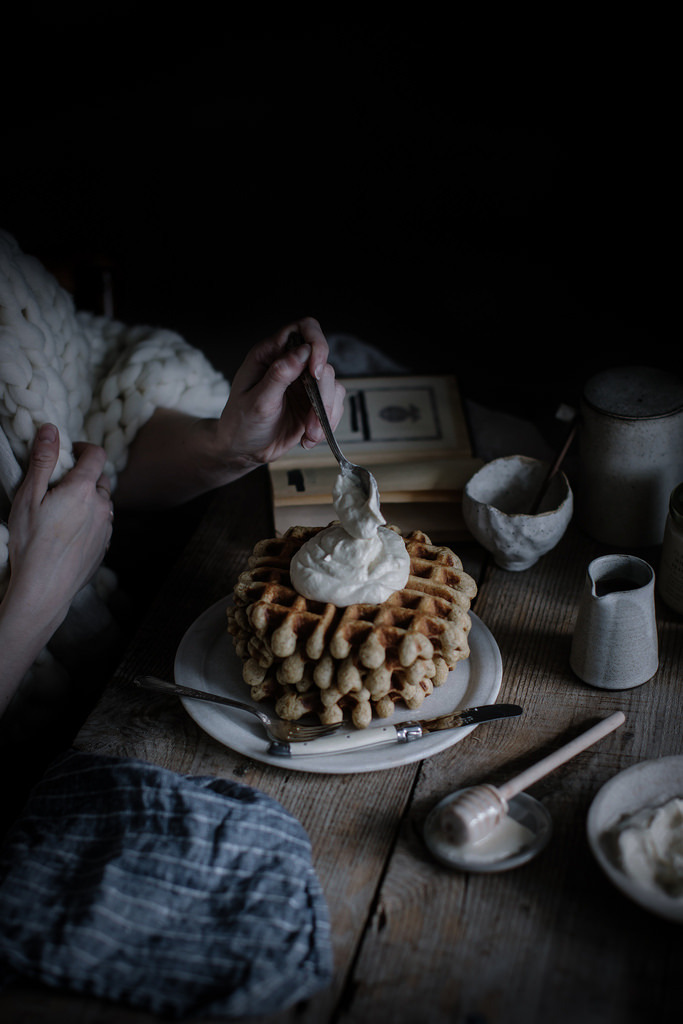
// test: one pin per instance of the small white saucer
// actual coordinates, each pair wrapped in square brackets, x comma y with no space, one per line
[524,811]
[646,784]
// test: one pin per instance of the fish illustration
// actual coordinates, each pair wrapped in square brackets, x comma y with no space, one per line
[399,413]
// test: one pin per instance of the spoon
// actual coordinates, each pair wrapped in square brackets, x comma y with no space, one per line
[477,810]
[554,469]
[362,476]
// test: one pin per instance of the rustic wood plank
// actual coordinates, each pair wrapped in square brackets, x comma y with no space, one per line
[412,940]
[551,940]
[352,819]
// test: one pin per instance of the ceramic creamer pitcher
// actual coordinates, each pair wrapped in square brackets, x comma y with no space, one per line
[614,645]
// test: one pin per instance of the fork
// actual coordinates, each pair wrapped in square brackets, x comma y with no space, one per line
[278,732]
[363,476]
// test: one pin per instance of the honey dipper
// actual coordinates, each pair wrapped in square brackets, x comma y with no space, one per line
[475,812]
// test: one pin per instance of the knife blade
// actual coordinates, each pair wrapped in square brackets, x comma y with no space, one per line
[406,732]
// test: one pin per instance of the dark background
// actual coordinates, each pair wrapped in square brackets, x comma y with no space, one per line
[503,212]
[495,201]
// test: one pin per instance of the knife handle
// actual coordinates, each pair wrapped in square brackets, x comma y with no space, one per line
[339,743]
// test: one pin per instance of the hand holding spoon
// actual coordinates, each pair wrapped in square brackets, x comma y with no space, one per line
[475,812]
[364,477]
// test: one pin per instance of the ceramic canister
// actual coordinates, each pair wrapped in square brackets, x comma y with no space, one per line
[670,576]
[631,454]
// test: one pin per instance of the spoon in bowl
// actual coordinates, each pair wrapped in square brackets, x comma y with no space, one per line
[362,476]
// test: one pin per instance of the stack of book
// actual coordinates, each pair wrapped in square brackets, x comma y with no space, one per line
[411,433]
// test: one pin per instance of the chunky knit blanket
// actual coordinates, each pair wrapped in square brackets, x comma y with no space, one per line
[96,379]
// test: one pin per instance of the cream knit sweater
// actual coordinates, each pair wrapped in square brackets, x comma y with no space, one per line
[96,379]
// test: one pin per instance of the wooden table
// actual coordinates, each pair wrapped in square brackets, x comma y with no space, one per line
[551,941]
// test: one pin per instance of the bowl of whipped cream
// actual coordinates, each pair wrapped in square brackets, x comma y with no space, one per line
[635,830]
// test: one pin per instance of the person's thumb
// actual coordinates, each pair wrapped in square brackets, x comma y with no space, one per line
[44,456]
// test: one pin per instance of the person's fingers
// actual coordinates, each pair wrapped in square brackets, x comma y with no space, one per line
[103,485]
[90,460]
[283,371]
[42,461]
[268,363]
[288,365]
[327,386]
[312,334]
[254,367]
[337,404]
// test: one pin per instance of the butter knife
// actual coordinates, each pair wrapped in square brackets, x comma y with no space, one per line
[406,732]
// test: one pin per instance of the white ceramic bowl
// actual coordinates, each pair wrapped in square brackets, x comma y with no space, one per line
[646,784]
[495,507]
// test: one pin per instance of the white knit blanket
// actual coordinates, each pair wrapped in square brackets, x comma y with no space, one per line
[98,381]
[95,378]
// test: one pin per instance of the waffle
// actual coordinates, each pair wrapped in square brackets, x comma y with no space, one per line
[351,663]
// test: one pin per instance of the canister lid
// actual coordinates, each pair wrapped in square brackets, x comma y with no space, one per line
[635,392]
[676,504]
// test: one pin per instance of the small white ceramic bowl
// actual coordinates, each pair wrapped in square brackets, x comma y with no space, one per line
[647,784]
[524,809]
[496,503]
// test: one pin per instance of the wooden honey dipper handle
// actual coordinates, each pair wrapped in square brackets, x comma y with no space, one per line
[558,757]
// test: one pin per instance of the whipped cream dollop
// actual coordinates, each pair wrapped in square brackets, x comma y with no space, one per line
[650,846]
[357,561]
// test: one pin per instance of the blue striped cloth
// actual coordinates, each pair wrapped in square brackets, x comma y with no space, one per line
[173,894]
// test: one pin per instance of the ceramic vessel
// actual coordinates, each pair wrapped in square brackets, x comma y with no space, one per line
[643,785]
[495,507]
[614,644]
[631,454]
[503,850]
[670,574]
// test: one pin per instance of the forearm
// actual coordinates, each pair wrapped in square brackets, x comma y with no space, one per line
[24,632]
[174,458]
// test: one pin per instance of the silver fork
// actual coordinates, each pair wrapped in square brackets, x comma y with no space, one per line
[364,477]
[278,732]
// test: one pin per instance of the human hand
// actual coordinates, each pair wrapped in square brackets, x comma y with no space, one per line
[176,456]
[58,535]
[268,411]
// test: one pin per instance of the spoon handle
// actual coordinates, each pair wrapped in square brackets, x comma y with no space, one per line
[559,459]
[313,391]
[558,757]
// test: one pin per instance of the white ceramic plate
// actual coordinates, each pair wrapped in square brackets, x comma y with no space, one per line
[646,784]
[207,661]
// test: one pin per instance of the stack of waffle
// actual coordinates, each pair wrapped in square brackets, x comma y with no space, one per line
[354,662]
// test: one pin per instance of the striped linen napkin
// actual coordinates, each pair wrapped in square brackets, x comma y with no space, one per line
[178,895]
